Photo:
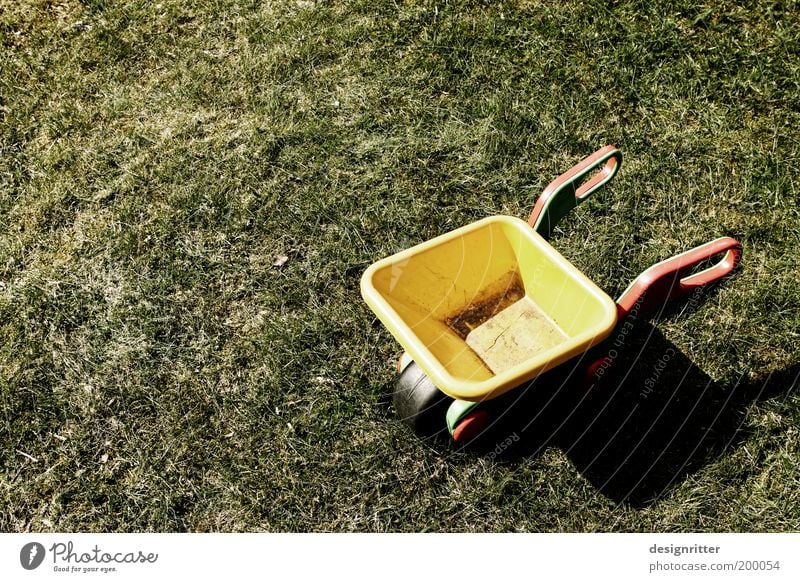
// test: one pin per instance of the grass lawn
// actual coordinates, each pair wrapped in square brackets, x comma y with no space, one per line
[158,160]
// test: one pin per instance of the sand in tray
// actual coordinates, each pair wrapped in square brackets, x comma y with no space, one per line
[514,335]
[505,327]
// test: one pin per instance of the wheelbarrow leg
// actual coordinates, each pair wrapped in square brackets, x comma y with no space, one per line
[465,421]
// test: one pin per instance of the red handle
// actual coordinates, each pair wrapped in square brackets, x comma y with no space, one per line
[669,280]
[566,192]
[673,278]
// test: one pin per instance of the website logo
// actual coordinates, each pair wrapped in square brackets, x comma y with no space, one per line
[31,555]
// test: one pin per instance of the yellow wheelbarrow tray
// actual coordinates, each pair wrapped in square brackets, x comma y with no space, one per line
[488,306]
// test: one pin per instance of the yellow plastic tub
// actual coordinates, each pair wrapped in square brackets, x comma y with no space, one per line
[486,307]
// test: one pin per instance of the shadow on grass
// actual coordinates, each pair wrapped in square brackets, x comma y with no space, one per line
[640,432]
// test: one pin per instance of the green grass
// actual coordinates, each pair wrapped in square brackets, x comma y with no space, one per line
[158,372]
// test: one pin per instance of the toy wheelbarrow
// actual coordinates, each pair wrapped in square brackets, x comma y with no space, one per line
[491,306]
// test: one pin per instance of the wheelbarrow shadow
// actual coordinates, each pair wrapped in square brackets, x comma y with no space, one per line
[640,432]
